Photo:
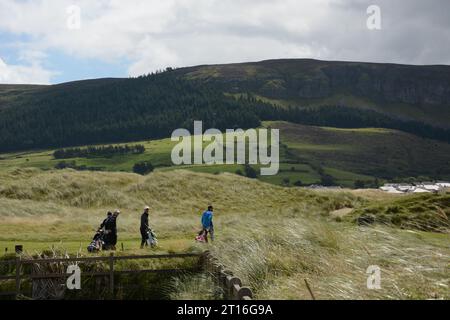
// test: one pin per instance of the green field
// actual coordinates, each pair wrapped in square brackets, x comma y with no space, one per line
[365,154]
[306,154]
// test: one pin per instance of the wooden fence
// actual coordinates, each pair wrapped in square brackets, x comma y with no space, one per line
[111,259]
[231,285]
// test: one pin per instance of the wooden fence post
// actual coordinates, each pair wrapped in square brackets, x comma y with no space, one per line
[18,271]
[223,277]
[111,274]
[233,284]
[244,293]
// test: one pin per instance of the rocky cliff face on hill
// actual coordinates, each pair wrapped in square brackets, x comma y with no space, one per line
[385,87]
[391,83]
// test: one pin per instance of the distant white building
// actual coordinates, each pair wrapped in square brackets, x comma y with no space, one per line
[443,184]
[432,187]
[390,189]
[405,187]
[423,187]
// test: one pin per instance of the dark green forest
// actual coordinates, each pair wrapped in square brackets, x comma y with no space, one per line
[152,106]
[117,111]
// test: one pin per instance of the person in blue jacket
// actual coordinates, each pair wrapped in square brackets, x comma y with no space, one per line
[207,223]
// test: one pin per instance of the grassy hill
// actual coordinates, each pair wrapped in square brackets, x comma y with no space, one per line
[422,212]
[369,152]
[318,96]
[348,117]
[409,92]
[271,237]
[116,110]
[338,94]
[308,155]
[9,94]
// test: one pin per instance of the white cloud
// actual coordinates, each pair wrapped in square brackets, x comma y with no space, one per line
[151,55]
[153,34]
[24,74]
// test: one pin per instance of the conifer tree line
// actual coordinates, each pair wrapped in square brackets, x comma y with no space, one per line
[117,110]
[151,107]
[347,117]
[101,151]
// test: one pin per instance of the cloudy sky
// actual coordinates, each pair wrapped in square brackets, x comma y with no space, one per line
[53,41]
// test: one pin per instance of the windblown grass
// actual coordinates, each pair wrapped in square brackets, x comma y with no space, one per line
[197,287]
[427,212]
[271,237]
[274,257]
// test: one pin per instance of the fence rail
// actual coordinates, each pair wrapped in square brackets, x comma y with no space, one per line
[105,258]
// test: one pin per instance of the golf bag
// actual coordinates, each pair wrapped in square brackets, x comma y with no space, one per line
[152,241]
[97,242]
[201,237]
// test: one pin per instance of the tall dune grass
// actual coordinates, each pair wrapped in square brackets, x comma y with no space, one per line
[272,237]
[275,257]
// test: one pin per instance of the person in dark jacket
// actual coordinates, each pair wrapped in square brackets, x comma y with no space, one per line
[108,215]
[144,227]
[111,231]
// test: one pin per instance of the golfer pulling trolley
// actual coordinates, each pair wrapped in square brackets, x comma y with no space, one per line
[148,237]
